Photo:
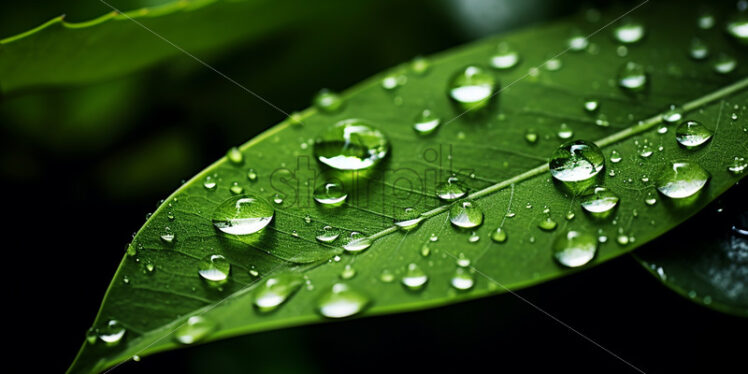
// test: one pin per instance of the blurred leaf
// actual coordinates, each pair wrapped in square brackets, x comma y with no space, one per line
[708,267]
[156,289]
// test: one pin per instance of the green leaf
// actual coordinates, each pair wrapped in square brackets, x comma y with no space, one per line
[705,258]
[63,53]
[486,148]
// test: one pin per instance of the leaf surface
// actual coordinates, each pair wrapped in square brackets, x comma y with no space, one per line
[508,178]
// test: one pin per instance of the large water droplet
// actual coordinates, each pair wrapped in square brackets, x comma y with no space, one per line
[351,144]
[632,77]
[451,190]
[214,269]
[629,31]
[112,333]
[242,215]
[328,101]
[327,234]
[414,278]
[330,194]
[738,29]
[426,123]
[276,290]
[599,201]
[505,57]
[462,279]
[472,88]
[692,134]
[576,161]
[466,215]
[195,329]
[356,242]
[574,248]
[341,301]
[682,179]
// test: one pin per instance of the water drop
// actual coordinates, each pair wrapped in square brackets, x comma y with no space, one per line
[425,250]
[209,183]
[615,157]
[386,276]
[576,161]
[705,21]
[629,32]
[414,278]
[462,280]
[195,329]
[235,156]
[599,201]
[473,238]
[278,199]
[737,165]
[394,80]
[681,179]
[650,199]
[408,219]
[426,123]
[252,175]
[167,236]
[725,64]
[330,194]
[242,215]
[327,234]
[531,136]
[341,301]
[692,134]
[632,77]
[356,242]
[466,215]
[472,88]
[214,269]
[328,101]
[577,42]
[738,29]
[698,50]
[591,105]
[276,290]
[351,144]
[451,190]
[420,65]
[574,248]
[236,189]
[547,224]
[348,272]
[499,235]
[112,333]
[462,261]
[505,57]
[564,132]
[673,114]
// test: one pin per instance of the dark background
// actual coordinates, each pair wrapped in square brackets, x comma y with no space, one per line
[79,178]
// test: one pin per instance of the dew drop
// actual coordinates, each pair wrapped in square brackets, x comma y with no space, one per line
[599,201]
[615,157]
[632,77]
[276,290]
[351,144]
[462,280]
[330,194]
[420,65]
[737,165]
[451,190]
[698,50]
[356,242]
[725,64]
[252,175]
[576,161]
[167,236]
[236,189]
[577,42]
[472,88]
[195,329]
[650,199]
[673,114]
[564,132]
[466,215]
[547,224]
[328,101]
[341,301]
[505,57]
[214,269]
[414,278]
[473,238]
[112,333]
[692,134]
[242,215]
[574,248]
[235,156]
[426,123]
[531,136]
[629,31]
[591,105]
[738,29]
[681,179]
[327,234]
[394,80]
[499,235]
[348,272]
[209,183]
[408,219]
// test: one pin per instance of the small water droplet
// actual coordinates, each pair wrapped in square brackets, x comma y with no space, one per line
[699,50]
[236,189]
[650,199]
[462,280]
[433,238]
[252,175]
[692,134]
[632,77]
[705,21]
[330,194]
[629,31]
[577,42]
[547,224]
[394,80]
[195,329]
[327,234]
[673,114]
[591,105]
[167,236]
[341,301]
[275,290]
[472,88]
[499,235]
[414,278]
[356,242]
[681,179]
[531,136]
[737,165]
[615,157]
[214,269]
[348,272]
[738,28]
[599,201]
[725,64]
[574,248]
[209,183]
[505,57]
[242,215]
[564,132]
[328,101]
[466,215]
[408,219]
[235,156]
[425,250]
[351,144]
[420,65]
[112,333]
[426,123]
[473,238]
[278,199]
